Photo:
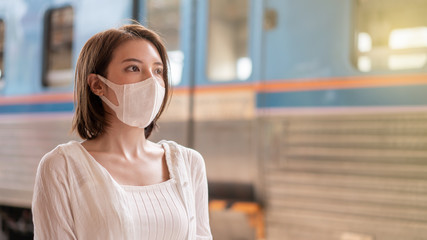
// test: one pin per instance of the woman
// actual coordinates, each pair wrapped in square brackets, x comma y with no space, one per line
[116,184]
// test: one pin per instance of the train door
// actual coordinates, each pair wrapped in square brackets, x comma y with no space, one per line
[172,19]
[224,123]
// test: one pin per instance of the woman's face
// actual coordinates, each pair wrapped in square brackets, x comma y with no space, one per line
[134,61]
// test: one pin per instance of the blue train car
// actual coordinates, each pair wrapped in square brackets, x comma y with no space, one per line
[312,111]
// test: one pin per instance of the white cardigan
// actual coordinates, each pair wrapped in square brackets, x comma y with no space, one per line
[76,198]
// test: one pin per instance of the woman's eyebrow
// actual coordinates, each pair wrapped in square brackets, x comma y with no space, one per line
[132,60]
[137,60]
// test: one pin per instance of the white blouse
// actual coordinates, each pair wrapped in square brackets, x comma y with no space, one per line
[76,198]
[157,210]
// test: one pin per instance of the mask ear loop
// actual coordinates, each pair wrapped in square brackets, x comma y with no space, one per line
[118,91]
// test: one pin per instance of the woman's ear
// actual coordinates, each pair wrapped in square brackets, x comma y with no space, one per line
[96,85]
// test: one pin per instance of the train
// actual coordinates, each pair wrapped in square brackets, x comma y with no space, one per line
[313,113]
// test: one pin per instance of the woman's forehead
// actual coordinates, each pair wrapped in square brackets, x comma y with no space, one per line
[140,49]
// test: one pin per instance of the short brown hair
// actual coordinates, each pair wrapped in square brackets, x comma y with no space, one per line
[89,118]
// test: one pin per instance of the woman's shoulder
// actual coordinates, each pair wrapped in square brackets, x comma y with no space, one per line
[56,159]
[189,155]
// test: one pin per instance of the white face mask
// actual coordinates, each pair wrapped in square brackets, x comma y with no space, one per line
[139,102]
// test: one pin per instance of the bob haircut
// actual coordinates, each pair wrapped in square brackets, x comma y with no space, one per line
[89,118]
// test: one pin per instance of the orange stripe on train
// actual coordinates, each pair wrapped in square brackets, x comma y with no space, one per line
[39,98]
[343,83]
[287,85]
[290,85]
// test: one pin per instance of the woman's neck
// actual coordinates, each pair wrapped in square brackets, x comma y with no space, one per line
[120,138]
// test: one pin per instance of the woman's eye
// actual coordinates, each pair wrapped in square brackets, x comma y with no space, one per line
[133,68]
[159,71]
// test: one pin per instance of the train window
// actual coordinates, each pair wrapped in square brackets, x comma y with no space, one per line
[164,17]
[2,40]
[390,35]
[58,47]
[227,57]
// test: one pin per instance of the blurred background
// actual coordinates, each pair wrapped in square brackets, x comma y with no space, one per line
[311,114]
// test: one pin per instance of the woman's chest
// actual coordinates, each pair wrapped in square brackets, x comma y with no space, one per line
[157,211]
[132,212]
[138,172]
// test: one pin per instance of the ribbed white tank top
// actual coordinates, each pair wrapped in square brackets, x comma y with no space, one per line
[158,212]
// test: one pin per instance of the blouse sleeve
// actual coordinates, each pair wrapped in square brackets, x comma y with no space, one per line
[52,214]
[200,184]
